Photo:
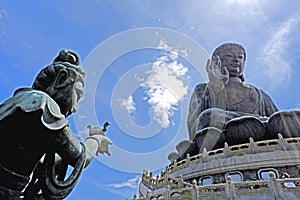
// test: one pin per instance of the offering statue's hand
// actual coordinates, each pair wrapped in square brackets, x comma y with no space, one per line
[98,134]
[103,143]
[218,76]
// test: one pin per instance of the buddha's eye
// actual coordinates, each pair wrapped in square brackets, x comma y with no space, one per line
[227,56]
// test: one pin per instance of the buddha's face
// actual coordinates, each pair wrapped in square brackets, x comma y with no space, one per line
[233,59]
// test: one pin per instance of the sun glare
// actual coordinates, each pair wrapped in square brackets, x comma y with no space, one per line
[242,4]
[242,1]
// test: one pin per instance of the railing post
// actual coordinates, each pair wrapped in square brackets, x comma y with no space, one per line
[229,189]
[156,181]
[144,177]
[253,148]
[226,149]
[166,178]
[188,160]
[148,195]
[195,191]
[174,166]
[282,143]
[204,155]
[150,180]
[180,182]
[167,193]
[273,186]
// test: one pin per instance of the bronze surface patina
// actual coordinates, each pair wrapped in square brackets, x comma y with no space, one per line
[36,138]
[226,109]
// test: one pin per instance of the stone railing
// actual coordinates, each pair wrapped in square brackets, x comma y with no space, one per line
[284,144]
[264,189]
[163,180]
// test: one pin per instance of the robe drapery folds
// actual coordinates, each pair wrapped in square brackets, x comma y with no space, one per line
[32,125]
[234,123]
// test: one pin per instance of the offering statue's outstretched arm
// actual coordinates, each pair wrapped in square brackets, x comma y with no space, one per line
[96,144]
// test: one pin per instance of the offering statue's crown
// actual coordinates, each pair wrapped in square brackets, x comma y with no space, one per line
[71,57]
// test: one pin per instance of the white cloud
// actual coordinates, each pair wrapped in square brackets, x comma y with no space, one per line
[3,13]
[276,67]
[212,22]
[131,183]
[165,85]
[128,104]
[3,34]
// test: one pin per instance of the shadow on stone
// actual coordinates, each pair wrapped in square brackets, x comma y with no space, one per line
[240,129]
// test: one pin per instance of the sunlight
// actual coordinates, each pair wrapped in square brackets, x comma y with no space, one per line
[245,2]
[244,8]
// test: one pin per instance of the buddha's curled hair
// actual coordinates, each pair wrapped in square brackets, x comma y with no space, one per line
[229,45]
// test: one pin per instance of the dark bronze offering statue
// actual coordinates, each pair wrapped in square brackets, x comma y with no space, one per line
[37,145]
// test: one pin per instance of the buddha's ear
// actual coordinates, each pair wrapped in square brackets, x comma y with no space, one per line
[242,78]
[61,79]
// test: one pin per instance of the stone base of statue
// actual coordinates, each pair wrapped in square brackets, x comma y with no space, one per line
[266,169]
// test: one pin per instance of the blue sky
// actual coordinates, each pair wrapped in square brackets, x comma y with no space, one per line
[142,60]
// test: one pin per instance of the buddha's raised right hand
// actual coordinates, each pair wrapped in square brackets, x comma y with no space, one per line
[218,76]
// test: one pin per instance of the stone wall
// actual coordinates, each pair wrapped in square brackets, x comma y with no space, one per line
[268,189]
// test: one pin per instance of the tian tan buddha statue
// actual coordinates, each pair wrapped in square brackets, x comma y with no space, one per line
[226,109]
